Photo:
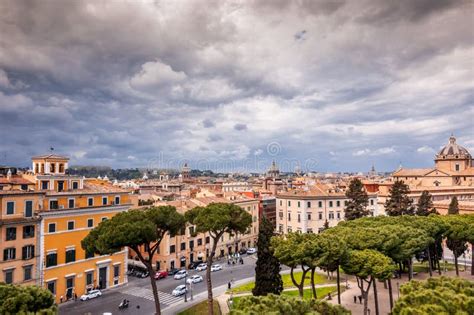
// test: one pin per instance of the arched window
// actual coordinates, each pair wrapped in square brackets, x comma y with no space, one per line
[61,168]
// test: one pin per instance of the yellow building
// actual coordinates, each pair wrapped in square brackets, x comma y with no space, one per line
[19,229]
[70,208]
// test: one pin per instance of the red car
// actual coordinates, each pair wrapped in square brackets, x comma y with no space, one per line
[161,275]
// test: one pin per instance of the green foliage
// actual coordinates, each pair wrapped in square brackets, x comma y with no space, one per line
[358,201]
[436,296]
[267,269]
[398,202]
[333,250]
[274,304]
[15,299]
[368,263]
[424,206]
[453,206]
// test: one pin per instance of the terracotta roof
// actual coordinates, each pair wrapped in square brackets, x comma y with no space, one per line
[15,180]
[412,171]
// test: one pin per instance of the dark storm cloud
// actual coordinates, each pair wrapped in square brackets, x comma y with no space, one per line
[123,83]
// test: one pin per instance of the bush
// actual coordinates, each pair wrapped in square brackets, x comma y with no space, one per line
[15,299]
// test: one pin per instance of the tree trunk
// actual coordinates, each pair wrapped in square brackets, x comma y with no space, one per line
[210,298]
[154,288]
[410,268]
[338,286]
[313,287]
[472,259]
[400,270]
[301,285]
[437,257]
[390,293]
[376,298]
[456,263]
[429,263]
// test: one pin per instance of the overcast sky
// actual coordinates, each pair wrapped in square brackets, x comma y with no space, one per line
[327,85]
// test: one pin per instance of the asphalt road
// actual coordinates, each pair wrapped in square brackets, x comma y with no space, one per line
[138,292]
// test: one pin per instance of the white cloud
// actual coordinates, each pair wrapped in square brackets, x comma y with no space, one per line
[425,149]
[155,75]
[376,152]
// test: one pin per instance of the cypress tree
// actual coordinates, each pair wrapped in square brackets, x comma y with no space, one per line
[358,201]
[453,206]
[398,202]
[267,269]
[425,205]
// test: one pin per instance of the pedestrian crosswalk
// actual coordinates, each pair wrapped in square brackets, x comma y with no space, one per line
[165,298]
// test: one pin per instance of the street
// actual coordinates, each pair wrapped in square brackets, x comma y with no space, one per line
[138,291]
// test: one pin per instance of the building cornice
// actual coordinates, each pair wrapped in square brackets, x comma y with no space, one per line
[69,212]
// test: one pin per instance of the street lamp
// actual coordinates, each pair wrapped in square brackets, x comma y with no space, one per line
[398,290]
[185,287]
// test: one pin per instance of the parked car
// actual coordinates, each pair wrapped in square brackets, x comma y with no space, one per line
[195,279]
[216,267]
[194,264]
[242,251]
[91,295]
[180,274]
[172,271]
[251,251]
[201,267]
[179,290]
[161,275]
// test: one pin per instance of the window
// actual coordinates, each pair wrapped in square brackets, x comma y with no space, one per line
[191,245]
[70,225]
[27,273]
[61,168]
[44,185]
[330,203]
[89,254]
[338,215]
[309,216]
[70,255]
[289,203]
[299,204]
[90,201]
[320,215]
[338,203]
[320,204]
[281,202]
[10,207]
[191,231]
[103,219]
[281,215]
[75,185]
[11,233]
[117,200]
[208,239]
[199,242]
[280,228]
[9,276]
[28,252]
[60,186]
[289,216]
[104,201]
[457,167]
[9,253]
[71,203]
[28,231]
[51,259]
[308,204]
[172,249]
[310,230]
[24,187]
[90,222]
[299,217]
[52,227]
[53,204]
[89,278]
[371,202]
[28,208]
[116,274]
[331,215]
[346,202]
[289,229]
[52,286]
[183,246]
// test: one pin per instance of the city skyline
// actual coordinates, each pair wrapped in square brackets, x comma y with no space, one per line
[341,84]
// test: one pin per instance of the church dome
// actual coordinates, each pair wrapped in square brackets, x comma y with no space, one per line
[453,150]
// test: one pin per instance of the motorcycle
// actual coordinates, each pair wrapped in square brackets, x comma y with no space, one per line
[123,304]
